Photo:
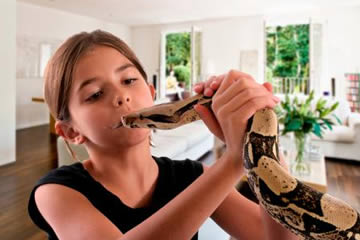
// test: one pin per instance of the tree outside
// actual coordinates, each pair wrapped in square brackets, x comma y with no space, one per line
[178,59]
[287,50]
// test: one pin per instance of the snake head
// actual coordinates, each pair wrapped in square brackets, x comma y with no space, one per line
[130,121]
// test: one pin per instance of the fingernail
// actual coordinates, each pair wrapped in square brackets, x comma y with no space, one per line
[196,87]
[207,92]
[196,107]
[276,99]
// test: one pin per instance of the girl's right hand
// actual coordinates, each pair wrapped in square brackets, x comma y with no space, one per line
[236,100]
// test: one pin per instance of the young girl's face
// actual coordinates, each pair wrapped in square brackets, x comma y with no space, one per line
[106,86]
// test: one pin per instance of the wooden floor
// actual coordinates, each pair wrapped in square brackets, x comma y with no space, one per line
[36,155]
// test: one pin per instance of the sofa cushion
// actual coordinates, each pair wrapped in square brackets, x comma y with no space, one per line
[342,112]
[338,134]
[193,132]
[167,146]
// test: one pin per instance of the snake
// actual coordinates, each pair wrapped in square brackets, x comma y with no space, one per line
[310,214]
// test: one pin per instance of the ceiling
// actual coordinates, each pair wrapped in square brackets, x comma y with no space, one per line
[144,12]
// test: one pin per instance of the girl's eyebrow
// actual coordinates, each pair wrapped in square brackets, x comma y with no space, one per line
[90,80]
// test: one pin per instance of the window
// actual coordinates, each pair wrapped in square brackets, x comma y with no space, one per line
[180,62]
[45,54]
[288,58]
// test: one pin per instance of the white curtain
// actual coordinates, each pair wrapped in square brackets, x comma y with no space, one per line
[319,81]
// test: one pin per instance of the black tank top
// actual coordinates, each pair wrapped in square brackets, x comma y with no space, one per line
[174,177]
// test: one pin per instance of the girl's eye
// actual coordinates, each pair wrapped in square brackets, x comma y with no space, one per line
[129,81]
[94,96]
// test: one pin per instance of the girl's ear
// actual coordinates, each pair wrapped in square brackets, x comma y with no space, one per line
[152,91]
[66,131]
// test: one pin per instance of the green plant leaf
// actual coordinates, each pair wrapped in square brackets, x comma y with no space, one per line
[317,130]
[337,119]
[334,106]
[294,125]
[328,123]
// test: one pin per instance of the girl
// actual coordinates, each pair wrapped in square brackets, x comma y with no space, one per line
[121,191]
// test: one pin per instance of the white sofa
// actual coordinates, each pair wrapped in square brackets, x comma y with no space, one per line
[343,142]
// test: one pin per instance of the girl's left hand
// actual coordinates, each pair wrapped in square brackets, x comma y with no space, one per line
[208,88]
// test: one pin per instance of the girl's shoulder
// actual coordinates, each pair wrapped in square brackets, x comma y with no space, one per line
[73,176]
[66,175]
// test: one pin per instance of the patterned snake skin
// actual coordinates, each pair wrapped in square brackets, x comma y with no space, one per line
[305,211]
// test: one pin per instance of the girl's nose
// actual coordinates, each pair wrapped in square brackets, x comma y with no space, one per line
[120,100]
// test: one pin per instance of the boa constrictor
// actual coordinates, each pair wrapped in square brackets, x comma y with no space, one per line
[305,211]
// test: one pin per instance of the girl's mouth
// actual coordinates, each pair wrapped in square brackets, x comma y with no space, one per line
[117,125]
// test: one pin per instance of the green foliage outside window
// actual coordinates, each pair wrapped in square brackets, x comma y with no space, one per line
[287,51]
[182,74]
[178,56]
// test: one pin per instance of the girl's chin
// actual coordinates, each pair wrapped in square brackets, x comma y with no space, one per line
[133,134]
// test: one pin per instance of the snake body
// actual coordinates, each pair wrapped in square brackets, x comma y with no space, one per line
[298,207]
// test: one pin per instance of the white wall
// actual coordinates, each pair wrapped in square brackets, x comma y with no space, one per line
[344,46]
[7,96]
[222,41]
[37,25]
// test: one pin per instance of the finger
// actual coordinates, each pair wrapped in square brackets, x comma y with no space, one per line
[268,86]
[209,81]
[217,82]
[230,78]
[248,95]
[248,109]
[240,116]
[213,84]
[210,120]
[208,92]
[199,87]
[236,89]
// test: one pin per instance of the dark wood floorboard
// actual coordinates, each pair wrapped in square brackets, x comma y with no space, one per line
[343,179]
[36,155]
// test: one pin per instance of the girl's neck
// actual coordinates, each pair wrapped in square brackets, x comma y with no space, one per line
[135,163]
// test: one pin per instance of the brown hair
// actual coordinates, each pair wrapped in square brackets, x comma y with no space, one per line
[60,68]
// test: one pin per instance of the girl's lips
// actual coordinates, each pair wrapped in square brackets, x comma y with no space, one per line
[117,125]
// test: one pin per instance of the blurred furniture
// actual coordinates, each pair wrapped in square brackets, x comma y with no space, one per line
[353,91]
[317,177]
[51,119]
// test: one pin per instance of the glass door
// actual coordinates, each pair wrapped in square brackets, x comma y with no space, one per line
[180,63]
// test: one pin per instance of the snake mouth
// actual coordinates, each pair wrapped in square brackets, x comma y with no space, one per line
[128,121]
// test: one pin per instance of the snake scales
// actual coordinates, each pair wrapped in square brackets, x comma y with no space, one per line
[303,210]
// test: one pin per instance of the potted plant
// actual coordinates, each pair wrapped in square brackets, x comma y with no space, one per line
[303,118]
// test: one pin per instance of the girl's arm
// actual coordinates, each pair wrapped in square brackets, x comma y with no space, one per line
[244,219]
